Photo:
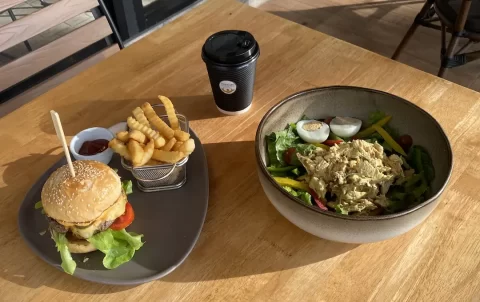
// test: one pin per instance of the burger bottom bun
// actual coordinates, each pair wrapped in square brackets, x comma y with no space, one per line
[80,246]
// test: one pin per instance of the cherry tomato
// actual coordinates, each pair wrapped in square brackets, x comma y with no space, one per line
[332,142]
[125,220]
[405,141]
[289,154]
[328,120]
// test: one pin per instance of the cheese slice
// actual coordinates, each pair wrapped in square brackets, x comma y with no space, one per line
[112,213]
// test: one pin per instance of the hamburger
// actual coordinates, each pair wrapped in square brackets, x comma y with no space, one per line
[89,212]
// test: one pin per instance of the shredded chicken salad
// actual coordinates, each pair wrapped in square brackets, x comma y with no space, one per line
[337,166]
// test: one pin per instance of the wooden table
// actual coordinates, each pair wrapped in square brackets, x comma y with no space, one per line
[247,250]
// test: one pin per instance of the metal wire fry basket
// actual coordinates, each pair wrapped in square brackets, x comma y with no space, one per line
[161,177]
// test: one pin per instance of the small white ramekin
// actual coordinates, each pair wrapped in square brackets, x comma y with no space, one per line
[91,134]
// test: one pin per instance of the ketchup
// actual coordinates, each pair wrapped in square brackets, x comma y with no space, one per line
[93,147]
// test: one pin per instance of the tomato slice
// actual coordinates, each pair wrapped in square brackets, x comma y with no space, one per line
[332,142]
[289,154]
[320,202]
[125,220]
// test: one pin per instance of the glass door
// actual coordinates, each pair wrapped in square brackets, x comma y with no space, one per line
[136,17]
[157,11]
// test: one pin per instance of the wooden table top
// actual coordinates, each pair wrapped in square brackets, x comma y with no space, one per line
[247,250]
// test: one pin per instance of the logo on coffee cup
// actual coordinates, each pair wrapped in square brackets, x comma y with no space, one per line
[228,87]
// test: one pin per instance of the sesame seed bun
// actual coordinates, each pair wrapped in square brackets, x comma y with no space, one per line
[80,200]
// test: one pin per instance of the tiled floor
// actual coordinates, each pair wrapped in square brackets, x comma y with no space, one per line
[378,26]
[45,37]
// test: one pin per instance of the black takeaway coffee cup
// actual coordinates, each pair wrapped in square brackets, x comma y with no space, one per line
[231,59]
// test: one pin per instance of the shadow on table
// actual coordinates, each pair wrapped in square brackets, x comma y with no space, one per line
[196,107]
[56,279]
[243,233]
[13,268]
[14,172]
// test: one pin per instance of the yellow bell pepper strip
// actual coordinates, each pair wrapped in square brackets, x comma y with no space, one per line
[324,147]
[370,130]
[395,146]
[283,181]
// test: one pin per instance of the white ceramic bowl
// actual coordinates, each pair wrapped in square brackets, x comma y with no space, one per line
[91,134]
[356,102]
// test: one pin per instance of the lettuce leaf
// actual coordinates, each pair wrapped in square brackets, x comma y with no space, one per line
[127,186]
[304,196]
[421,161]
[339,208]
[38,205]
[118,246]
[133,239]
[290,190]
[68,264]
[305,149]
[375,116]
[272,151]
[278,143]
[298,171]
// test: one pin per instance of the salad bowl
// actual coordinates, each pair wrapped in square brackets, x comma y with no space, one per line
[321,103]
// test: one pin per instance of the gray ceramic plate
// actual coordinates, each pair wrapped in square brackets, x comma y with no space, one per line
[171,222]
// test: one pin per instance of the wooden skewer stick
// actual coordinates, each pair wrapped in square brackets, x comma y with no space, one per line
[61,137]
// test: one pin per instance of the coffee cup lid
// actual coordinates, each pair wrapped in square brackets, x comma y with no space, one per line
[230,47]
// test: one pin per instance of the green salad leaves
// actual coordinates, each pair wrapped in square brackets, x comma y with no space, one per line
[118,246]
[420,160]
[412,189]
[304,196]
[283,146]
[68,264]
[279,142]
[127,186]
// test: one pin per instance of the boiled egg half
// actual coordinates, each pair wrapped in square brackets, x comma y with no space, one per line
[313,131]
[345,126]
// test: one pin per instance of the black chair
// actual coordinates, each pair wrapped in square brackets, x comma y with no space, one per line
[461,18]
